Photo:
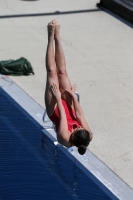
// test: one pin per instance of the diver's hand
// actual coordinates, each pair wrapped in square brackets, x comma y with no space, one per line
[72,91]
[55,91]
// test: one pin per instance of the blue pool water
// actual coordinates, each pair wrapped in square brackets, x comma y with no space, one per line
[32,167]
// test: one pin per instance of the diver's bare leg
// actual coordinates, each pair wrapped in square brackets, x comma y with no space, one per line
[52,77]
[64,81]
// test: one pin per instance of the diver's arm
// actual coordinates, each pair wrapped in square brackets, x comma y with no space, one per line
[63,133]
[80,115]
[78,110]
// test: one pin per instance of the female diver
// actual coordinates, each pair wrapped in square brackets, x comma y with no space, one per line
[61,102]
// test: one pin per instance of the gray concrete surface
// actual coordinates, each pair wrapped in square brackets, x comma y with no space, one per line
[99,55]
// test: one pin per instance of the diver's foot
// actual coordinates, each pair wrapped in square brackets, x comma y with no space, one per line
[57,31]
[51,29]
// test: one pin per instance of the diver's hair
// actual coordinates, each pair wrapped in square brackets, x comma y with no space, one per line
[81,140]
[82,149]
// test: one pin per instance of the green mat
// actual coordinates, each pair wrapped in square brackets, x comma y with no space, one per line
[17,67]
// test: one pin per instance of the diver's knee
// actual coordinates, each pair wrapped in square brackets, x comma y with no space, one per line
[62,71]
[52,71]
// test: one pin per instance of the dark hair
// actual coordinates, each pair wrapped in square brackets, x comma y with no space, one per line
[81,140]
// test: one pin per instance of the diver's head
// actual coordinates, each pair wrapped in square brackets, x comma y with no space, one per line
[81,139]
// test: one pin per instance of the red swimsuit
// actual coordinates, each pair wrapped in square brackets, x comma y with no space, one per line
[70,115]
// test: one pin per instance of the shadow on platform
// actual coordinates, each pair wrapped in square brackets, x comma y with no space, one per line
[51,13]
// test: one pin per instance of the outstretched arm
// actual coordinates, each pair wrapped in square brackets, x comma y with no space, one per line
[78,110]
[62,134]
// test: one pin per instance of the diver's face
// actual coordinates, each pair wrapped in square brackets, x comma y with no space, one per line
[79,128]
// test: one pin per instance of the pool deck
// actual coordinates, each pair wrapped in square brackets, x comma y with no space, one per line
[98,46]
